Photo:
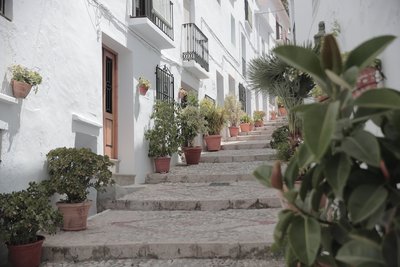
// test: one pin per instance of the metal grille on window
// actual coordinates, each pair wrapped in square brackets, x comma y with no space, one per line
[164,84]
[242,96]
[109,74]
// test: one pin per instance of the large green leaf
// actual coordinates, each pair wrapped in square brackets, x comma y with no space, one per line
[303,59]
[357,252]
[337,171]
[380,98]
[285,218]
[291,172]
[304,157]
[338,80]
[365,200]
[362,146]
[263,174]
[330,55]
[319,127]
[305,238]
[365,53]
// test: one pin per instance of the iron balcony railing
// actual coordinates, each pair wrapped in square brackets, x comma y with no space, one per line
[164,20]
[195,45]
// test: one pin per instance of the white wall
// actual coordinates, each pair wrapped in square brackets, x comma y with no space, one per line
[359,21]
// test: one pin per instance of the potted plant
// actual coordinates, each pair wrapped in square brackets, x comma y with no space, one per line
[22,215]
[232,111]
[191,123]
[143,85]
[258,117]
[340,158]
[72,172]
[164,135]
[182,93]
[23,80]
[245,123]
[272,114]
[281,107]
[215,119]
[251,127]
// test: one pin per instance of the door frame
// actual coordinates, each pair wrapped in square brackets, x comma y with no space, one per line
[107,50]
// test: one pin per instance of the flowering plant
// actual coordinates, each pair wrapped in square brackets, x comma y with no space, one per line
[144,82]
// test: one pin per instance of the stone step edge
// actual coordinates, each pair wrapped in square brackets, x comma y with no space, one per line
[159,250]
[205,178]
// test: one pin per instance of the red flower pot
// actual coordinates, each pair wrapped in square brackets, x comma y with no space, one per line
[20,89]
[192,154]
[213,142]
[162,164]
[28,255]
[258,123]
[74,215]
[251,126]
[143,90]
[245,127]
[233,131]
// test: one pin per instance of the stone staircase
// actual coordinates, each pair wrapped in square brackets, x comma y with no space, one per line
[211,214]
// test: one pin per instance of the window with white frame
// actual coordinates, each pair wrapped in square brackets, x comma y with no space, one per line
[2,2]
[6,8]
[233,30]
[248,13]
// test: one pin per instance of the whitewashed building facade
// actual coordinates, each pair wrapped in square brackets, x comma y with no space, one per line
[91,54]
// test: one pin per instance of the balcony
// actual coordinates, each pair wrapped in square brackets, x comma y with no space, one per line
[153,19]
[195,51]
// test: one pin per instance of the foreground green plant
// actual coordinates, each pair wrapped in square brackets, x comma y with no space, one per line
[346,212]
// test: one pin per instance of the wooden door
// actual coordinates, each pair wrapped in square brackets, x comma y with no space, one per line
[110,107]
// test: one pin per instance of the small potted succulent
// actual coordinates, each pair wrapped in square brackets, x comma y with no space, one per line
[232,111]
[143,85]
[23,80]
[258,117]
[215,121]
[72,172]
[164,135]
[22,215]
[191,123]
[245,123]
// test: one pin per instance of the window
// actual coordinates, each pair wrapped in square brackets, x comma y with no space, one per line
[233,31]
[2,2]
[242,96]
[278,31]
[248,14]
[164,84]
[243,55]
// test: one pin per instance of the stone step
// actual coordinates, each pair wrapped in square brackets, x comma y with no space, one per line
[113,234]
[243,155]
[276,262]
[238,145]
[207,172]
[124,179]
[114,192]
[249,137]
[199,196]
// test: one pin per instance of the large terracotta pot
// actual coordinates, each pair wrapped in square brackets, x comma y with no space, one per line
[192,154]
[213,142]
[143,90]
[233,131]
[28,255]
[74,215]
[245,127]
[251,126]
[162,164]
[282,111]
[20,89]
[258,123]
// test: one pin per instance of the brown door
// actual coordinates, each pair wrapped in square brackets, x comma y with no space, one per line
[110,103]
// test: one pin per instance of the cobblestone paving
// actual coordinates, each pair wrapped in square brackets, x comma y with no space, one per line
[173,263]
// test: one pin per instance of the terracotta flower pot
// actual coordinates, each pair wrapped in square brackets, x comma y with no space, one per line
[74,215]
[162,164]
[28,255]
[245,127]
[233,131]
[192,154]
[20,89]
[213,142]
[282,111]
[258,123]
[273,116]
[251,127]
[143,90]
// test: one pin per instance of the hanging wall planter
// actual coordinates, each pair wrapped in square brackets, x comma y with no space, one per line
[20,89]
[143,85]
[23,80]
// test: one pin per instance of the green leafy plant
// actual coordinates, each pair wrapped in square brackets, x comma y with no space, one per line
[279,135]
[23,74]
[213,115]
[191,123]
[144,82]
[351,172]
[245,118]
[258,115]
[164,135]
[232,110]
[24,213]
[74,170]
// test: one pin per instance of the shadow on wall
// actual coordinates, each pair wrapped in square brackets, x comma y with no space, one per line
[10,114]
